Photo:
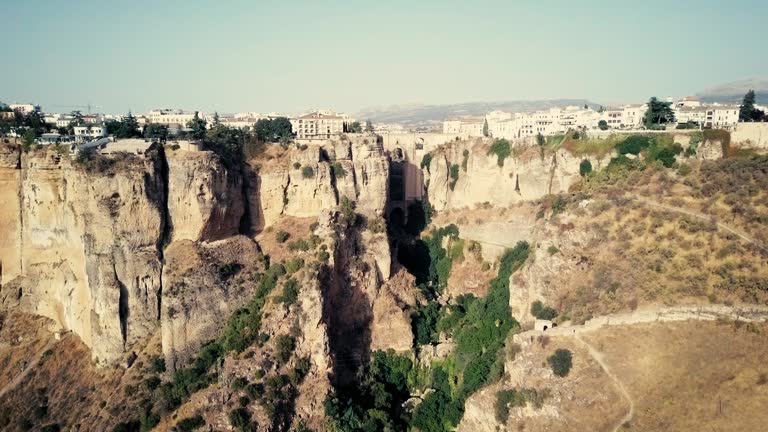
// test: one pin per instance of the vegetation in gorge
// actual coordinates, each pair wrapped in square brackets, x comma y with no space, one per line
[478,326]
[242,330]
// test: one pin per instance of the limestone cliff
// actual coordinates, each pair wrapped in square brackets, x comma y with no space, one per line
[89,247]
[205,198]
[302,182]
[526,175]
[202,285]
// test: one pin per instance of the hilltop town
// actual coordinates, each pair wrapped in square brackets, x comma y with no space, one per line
[30,123]
[180,270]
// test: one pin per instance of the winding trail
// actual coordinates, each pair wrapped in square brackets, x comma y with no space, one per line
[746,313]
[616,381]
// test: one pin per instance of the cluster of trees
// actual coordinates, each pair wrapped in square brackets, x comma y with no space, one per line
[28,125]
[658,114]
[273,130]
[478,326]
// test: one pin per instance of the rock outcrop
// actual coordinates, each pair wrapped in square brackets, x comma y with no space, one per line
[205,198]
[203,283]
[526,175]
[89,247]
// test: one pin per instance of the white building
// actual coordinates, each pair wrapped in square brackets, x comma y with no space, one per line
[90,132]
[318,125]
[464,127]
[721,116]
[172,117]
[25,108]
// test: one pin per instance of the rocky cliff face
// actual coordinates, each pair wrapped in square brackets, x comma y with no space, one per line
[83,246]
[525,175]
[89,248]
[203,284]
[205,198]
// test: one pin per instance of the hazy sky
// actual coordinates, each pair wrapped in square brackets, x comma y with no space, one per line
[294,55]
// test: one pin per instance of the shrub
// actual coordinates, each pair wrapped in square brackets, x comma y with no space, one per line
[426,161]
[282,236]
[323,256]
[226,271]
[298,245]
[348,213]
[296,165]
[684,169]
[338,170]
[424,323]
[502,405]
[189,424]
[307,172]
[239,383]
[561,362]
[633,144]
[552,249]
[501,149]
[585,167]
[376,225]
[284,346]
[542,312]
[465,159]
[240,418]
[152,382]
[602,124]
[157,364]
[454,174]
[294,265]
[290,292]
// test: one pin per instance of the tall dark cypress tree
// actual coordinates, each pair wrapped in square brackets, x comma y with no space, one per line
[747,106]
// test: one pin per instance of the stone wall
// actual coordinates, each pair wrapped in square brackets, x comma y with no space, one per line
[751,135]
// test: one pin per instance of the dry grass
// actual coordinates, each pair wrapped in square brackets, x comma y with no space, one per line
[692,375]
[584,400]
[78,392]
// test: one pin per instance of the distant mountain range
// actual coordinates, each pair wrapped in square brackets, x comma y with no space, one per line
[733,92]
[433,115]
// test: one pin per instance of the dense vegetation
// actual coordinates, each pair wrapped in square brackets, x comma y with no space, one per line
[479,328]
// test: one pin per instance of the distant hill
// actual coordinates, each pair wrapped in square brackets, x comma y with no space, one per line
[432,115]
[733,92]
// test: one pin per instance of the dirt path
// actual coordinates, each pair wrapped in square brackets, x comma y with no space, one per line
[747,313]
[30,366]
[698,215]
[616,381]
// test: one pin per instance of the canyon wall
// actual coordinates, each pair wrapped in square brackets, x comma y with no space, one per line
[83,243]
[525,175]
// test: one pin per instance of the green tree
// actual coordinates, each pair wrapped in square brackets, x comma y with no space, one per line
[282,129]
[154,130]
[658,113]
[216,119]
[77,118]
[198,126]
[585,167]
[355,127]
[747,110]
[485,128]
[129,127]
[561,362]
[602,124]
[273,130]
[368,126]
